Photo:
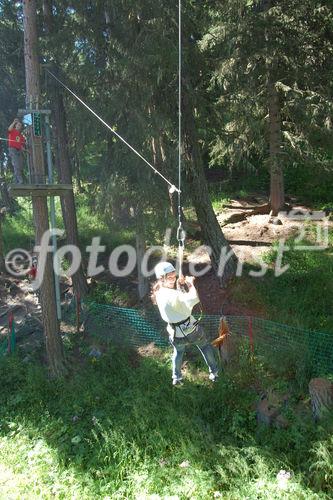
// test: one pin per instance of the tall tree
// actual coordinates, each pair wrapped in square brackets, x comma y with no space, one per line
[2,255]
[271,58]
[134,50]
[62,156]
[54,348]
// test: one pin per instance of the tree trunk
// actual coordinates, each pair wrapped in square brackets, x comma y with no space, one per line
[321,393]
[211,230]
[277,198]
[65,176]
[54,348]
[80,286]
[143,285]
[159,159]
[174,205]
[7,201]
[2,256]
[77,163]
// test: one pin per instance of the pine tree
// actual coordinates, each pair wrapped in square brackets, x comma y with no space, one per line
[271,83]
[54,348]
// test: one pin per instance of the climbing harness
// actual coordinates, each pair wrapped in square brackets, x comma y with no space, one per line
[184,325]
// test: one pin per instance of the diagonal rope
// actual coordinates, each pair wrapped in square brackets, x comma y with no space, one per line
[172,187]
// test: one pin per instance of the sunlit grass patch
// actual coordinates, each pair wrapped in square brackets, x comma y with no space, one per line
[301,295]
[118,430]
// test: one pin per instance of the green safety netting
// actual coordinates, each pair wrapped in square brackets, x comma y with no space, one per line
[3,347]
[285,344]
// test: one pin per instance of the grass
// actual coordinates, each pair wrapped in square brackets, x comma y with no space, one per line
[115,428]
[219,204]
[110,430]
[104,293]
[302,296]
[18,229]
[91,225]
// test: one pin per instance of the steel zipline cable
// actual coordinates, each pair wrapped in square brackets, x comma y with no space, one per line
[180,230]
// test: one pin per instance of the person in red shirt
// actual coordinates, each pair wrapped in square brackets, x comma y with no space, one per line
[32,273]
[16,142]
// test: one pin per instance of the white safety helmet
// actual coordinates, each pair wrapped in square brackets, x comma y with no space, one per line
[163,268]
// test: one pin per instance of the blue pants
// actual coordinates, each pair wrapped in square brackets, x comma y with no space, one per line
[197,338]
[16,157]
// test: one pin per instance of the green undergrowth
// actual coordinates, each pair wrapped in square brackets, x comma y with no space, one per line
[296,291]
[105,293]
[302,295]
[91,225]
[18,229]
[116,428]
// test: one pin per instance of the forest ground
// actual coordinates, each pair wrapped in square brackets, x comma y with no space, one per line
[115,427]
[253,239]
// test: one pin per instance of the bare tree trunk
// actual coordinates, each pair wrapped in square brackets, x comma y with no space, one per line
[2,256]
[65,176]
[143,285]
[277,198]
[211,230]
[159,159]
[79,281]
[174,205]
[54,348]
[7,201]
[77,164]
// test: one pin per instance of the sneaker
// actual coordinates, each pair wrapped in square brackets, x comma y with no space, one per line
[177,381]
[213,377]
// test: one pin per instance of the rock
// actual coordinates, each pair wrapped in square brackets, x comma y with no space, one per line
[95,353]
[266,412]
[281,422]
[283,478]
[270,407]
[14,290]
[276,221]
[321,393]
[263,230]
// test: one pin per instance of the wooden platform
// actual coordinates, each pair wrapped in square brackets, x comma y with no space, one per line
[22,190]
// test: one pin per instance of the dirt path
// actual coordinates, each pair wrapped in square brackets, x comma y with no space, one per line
[250,239]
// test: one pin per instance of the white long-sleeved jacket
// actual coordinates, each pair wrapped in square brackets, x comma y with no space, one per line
[176,306]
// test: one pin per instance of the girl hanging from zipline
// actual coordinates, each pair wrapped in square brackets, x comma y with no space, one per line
[175,305]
